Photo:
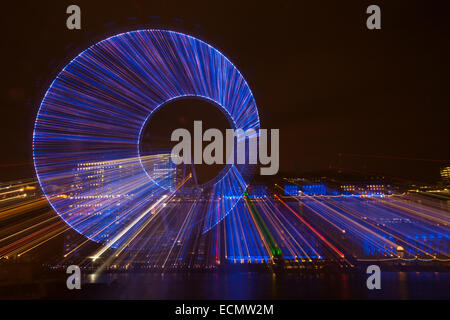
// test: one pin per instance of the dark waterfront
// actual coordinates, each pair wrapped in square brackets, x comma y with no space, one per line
[237,285]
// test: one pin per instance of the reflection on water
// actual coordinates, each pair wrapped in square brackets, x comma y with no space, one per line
[252,285]
[229,285]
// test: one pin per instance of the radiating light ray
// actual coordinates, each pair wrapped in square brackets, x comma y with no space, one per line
[127,228]
[339,253]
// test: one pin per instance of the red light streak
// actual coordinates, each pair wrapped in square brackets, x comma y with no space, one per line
[340,254]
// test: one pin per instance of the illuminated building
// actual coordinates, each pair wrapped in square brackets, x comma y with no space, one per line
[98,181]
[290,190]
[445,175]
[366,189]
[314,189]
[98,174]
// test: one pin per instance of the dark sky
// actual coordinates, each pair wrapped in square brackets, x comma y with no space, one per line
[317,73]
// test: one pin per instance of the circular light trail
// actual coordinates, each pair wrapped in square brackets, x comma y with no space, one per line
[87,131]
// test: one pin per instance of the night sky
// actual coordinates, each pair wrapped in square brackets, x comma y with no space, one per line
[317,73]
